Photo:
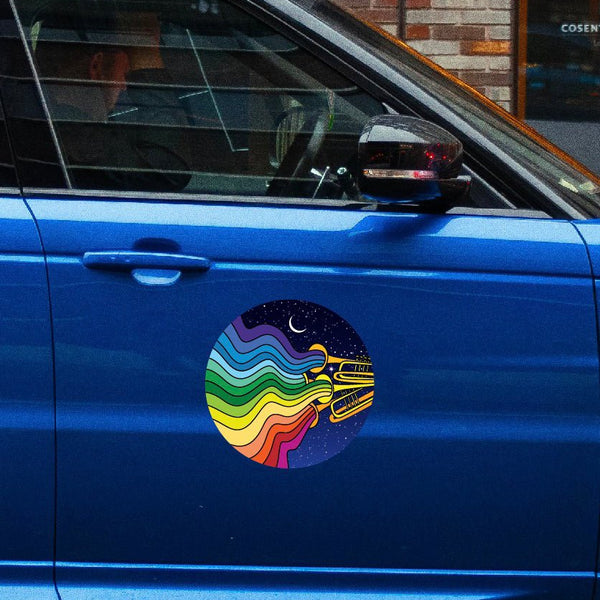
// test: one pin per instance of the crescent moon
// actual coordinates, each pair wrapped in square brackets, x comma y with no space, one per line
[293,329]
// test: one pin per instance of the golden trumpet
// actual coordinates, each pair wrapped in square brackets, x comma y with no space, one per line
[351,384]
[349,404]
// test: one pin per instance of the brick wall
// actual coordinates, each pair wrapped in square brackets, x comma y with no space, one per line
[386,13]
[471,38]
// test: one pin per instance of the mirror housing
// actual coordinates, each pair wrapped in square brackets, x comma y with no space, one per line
[405,160]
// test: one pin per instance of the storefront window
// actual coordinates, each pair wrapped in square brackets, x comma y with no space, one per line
[563,60]
[562,90]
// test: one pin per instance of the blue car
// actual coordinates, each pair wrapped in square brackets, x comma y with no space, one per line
[286,312]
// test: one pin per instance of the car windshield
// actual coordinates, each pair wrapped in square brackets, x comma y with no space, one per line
[565,176]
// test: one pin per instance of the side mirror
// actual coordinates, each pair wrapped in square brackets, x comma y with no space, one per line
[405,160]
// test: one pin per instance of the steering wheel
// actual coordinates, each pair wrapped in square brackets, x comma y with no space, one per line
[294,168]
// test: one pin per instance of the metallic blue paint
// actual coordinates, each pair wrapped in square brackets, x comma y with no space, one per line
[475,475]
[472,477]
[27,581]
[590,232]
[255,583]
[26,410]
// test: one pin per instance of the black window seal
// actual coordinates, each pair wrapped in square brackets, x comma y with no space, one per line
[18,189]
[188,198]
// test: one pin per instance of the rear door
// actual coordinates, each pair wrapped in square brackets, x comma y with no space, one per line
[308,395]
[27,459]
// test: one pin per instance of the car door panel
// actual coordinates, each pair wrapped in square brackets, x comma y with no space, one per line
[26,410]
[474,473]
[476,454]
[590,234]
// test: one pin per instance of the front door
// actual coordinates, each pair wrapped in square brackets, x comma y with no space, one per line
[476,450]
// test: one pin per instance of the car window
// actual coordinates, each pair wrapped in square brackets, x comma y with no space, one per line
[567,178]
[193,98]
[33,147]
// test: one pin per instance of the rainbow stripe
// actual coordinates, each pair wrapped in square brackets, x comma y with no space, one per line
[258,394]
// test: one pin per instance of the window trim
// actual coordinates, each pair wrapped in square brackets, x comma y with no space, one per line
[16,189]
[264,202]
[10,192]
[190,198]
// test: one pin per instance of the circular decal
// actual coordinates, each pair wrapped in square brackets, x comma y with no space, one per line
[289,384]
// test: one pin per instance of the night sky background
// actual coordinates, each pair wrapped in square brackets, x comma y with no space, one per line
[340,339]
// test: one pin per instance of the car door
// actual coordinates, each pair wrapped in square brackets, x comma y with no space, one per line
[435,376]
[477,450]
[27,458]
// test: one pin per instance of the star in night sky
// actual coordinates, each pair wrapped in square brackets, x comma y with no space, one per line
[304,324]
